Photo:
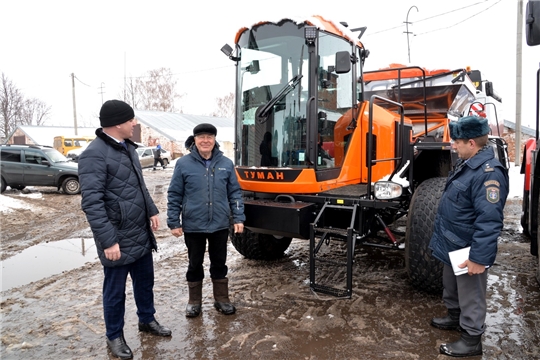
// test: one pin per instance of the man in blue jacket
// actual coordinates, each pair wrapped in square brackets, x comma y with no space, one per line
[205,192]
[123,217]
[470,214]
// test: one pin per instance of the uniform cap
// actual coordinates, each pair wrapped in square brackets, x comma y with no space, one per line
[469,127]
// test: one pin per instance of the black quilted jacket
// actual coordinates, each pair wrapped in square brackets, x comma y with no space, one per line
[115,199]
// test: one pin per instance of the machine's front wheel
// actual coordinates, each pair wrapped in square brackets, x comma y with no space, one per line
[257,246]
[425,272]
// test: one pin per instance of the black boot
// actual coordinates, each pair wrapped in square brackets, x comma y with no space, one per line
[467,345]
[119,348]
[449,322]
[193,308]
[221,295]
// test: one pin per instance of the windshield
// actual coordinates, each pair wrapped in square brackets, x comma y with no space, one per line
[55,155]
[273,79]
[272,111]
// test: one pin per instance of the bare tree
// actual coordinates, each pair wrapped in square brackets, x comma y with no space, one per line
[154,91]
[11,101]
[225,106]
[34,112]
[16,110]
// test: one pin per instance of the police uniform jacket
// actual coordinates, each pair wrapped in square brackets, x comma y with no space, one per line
[115,199]
[471,210]
[205,196]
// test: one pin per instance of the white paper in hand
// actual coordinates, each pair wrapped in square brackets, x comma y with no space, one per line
[457,258]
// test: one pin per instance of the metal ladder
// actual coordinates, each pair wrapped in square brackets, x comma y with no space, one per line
[324,234]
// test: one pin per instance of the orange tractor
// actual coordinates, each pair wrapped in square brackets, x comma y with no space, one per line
[328,152]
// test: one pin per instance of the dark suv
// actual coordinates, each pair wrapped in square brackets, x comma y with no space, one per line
[35,165]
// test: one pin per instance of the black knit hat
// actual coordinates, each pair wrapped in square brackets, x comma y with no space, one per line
[204,129]
[115,112]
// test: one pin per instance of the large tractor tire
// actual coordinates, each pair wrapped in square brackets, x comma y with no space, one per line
[257,246]
[534,241]
[425,272]
[525,214]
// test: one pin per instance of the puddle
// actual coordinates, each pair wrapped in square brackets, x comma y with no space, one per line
[43,260]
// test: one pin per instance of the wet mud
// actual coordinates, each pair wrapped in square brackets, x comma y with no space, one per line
[278,317]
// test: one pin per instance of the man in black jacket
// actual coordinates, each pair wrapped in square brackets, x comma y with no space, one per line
[122,216]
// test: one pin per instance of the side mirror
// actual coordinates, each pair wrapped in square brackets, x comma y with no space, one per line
[491,92]
[532,23]
[343,62]
[227,50]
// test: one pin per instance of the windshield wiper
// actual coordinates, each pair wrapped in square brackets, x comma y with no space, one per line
[262,112]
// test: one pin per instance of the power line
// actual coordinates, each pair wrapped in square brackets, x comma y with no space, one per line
[452,11]
[462,21]
[438,15]
[79,80]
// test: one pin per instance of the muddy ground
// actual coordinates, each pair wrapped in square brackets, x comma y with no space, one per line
[60,317]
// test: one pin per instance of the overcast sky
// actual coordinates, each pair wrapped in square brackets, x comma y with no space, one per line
[104,42]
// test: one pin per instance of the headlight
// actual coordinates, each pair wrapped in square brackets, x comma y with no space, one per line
[386,190]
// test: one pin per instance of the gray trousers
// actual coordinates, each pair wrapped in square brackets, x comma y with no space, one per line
[467,293]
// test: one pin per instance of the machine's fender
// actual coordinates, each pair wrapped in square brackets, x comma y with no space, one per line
[530,146]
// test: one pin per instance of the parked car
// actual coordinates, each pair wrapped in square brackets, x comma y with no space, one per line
[146,156]
[75,153]
[35,165]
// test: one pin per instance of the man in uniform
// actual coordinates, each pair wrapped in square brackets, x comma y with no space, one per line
[470,214]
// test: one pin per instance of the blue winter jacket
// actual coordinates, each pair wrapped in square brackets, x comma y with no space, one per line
[205,196]
[115,199]
[471,210]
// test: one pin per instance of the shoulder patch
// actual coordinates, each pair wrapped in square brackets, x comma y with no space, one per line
[492,194]
[488,168]
[492,182]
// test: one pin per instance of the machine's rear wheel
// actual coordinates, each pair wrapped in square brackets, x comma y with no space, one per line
[257,246]
[425,272]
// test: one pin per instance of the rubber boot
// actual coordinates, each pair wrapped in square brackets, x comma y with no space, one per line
[449,322]
[221,295]
[467,345]
[193,308]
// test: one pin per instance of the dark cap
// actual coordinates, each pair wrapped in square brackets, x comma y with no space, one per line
[204,129]
[115,112]
[469,127]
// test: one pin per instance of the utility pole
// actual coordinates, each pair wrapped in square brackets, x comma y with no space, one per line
[101,92]
[519,54]
[74,106]
[124,76]
[407,32]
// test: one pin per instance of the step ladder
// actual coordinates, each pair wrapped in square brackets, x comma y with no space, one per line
[322,234]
